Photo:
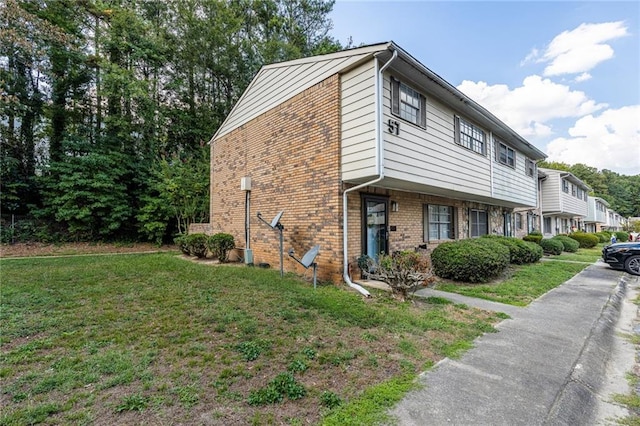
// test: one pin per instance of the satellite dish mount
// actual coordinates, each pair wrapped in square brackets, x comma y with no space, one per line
[308,260]
[275,224]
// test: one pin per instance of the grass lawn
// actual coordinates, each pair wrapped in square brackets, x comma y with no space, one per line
[155,339]
[522,284]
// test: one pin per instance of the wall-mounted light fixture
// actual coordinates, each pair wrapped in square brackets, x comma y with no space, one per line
[394,206]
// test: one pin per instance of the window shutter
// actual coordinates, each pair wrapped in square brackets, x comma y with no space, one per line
[395,96]
[496,148]
[423,112]
[456,129]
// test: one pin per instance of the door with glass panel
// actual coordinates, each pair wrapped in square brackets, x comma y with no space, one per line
[375,237]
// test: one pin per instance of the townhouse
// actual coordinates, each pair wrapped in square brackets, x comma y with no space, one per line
[364,151]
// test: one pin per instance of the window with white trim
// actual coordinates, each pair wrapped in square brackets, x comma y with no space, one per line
[505,155]
[439,222]
[408,104]
[565,186]
[518,221]
[478,223]
[530,167]
[470,136]
[573,190]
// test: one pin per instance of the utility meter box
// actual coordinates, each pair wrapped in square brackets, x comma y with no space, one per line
[245,183]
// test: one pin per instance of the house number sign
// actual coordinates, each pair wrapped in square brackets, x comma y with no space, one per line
[394,127]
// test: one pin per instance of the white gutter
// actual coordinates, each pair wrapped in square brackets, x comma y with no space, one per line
[380,169]
[492,156]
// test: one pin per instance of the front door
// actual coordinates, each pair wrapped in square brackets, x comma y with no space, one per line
[375,217]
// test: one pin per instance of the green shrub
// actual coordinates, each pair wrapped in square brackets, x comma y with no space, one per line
[584,239]
[475,260]
[181,242]
[519,251]
[197,244]
[220,244]
[604,237]
[622,237]
[403,271]
[569,244]
[534,237]
[551,246]
[534,252]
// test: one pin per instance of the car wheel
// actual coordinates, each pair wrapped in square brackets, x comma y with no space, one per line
[632,265]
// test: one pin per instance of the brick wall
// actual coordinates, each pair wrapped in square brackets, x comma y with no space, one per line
[291,154]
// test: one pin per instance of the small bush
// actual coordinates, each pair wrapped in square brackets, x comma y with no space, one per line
[551,246]
[569,244]
[534,252]
[197,244]
[585,240]
[519,251]
[282,385]
[604,237]
[475,260]
[181,242]
[220,244]
[534,237]
[622,237]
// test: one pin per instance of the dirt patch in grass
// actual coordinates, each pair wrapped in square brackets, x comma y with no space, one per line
[66,249]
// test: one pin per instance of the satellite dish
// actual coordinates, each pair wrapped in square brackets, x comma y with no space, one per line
[310,256]
[276,219]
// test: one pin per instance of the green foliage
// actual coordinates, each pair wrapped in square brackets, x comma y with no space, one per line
[135,402]
[603,236]
[551,246]
[622,237]
[250,350]
[586,240]
[476,260]
[569,244]
[403,271]
[534,237]
[182,242]
[330,400]
[282,385]
[197,245]
[220,244]
[520,251]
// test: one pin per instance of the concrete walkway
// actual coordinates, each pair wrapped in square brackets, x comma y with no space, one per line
[546,365]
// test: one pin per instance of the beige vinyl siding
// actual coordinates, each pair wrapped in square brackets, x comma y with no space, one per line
[430,156]
[274,84]
[551,189]
[573,205]
[514,184]
[358,122]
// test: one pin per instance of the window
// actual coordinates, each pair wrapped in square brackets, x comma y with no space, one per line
[439,222]
[518,221]
[565,186]
[469,136]
[505,155]
[573,190]
[531,167]
[547,225]
[478,223]
[408,104]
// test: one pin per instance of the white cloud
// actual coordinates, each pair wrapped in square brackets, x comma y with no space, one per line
[528,109]
[583,77]
[610,141]
[579,50]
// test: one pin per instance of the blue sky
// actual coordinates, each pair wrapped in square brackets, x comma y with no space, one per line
[565,75]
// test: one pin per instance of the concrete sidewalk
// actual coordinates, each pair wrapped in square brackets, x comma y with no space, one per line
[545,365]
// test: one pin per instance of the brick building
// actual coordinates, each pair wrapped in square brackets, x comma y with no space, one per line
[416,160]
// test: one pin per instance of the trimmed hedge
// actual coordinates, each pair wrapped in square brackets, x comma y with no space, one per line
[534,237]
[181,242]
[520,252]
[569,244]
[604,237]
[551,245]
[476,260]
[622,237]
[197,244]
[584,239]
[220,244]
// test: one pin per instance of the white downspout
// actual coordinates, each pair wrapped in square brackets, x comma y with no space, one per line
[380,169]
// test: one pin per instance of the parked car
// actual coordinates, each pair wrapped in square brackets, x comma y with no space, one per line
[623,256]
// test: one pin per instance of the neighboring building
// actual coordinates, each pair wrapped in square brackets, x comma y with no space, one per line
[615,222]
[596,215]
[528,219]
[417,161]
[564,202]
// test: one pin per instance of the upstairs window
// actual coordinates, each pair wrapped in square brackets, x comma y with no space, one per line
[565,186]
[408,104]
[573,190]
[470,136]
[505,155]
[530,167]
